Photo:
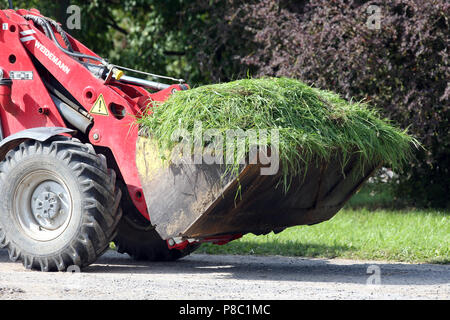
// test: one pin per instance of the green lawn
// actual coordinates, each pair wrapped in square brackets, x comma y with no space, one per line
[409,236]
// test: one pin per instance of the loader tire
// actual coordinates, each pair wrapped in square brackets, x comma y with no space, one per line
[59,206]
[139,239]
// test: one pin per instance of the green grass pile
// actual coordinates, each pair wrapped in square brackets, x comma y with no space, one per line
[313,124]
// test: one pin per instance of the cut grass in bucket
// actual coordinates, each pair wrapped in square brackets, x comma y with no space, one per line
[312,124]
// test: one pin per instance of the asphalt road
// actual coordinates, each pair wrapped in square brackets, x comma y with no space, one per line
[115,276]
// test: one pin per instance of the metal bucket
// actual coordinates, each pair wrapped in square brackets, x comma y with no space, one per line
[200,201]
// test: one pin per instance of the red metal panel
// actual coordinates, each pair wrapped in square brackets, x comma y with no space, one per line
[119,134]
[27,95]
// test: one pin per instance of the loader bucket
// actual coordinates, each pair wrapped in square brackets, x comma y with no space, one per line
[200,201]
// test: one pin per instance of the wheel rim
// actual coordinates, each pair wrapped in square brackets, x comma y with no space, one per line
[42,205]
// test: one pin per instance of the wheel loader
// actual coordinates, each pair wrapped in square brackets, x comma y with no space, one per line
[76,174]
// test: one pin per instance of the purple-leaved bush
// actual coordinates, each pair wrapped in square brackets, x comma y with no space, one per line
[402,68]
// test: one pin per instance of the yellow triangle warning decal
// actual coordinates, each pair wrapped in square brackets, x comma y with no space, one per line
[100,107]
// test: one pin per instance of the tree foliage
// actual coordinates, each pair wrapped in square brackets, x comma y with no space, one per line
[401,68]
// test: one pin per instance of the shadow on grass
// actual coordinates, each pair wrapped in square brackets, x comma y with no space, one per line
[286,248]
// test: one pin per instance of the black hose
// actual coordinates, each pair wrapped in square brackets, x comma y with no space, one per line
[61,32]
[49,33]
[40,22]
[73,54]
[44,23]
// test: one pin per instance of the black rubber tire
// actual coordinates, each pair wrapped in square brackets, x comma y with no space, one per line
[139,239]
[95,204]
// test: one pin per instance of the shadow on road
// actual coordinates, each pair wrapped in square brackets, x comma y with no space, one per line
[274,268]
[289,248]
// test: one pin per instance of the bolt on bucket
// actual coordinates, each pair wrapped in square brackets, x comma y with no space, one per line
[198,201]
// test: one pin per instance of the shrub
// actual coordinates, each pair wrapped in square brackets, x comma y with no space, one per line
[402,68]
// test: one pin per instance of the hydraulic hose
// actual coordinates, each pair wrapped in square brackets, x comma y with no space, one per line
[73,54]
[46,24]
[49,33]
[61,32]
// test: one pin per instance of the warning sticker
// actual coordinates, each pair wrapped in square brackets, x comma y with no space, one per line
[100,107]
